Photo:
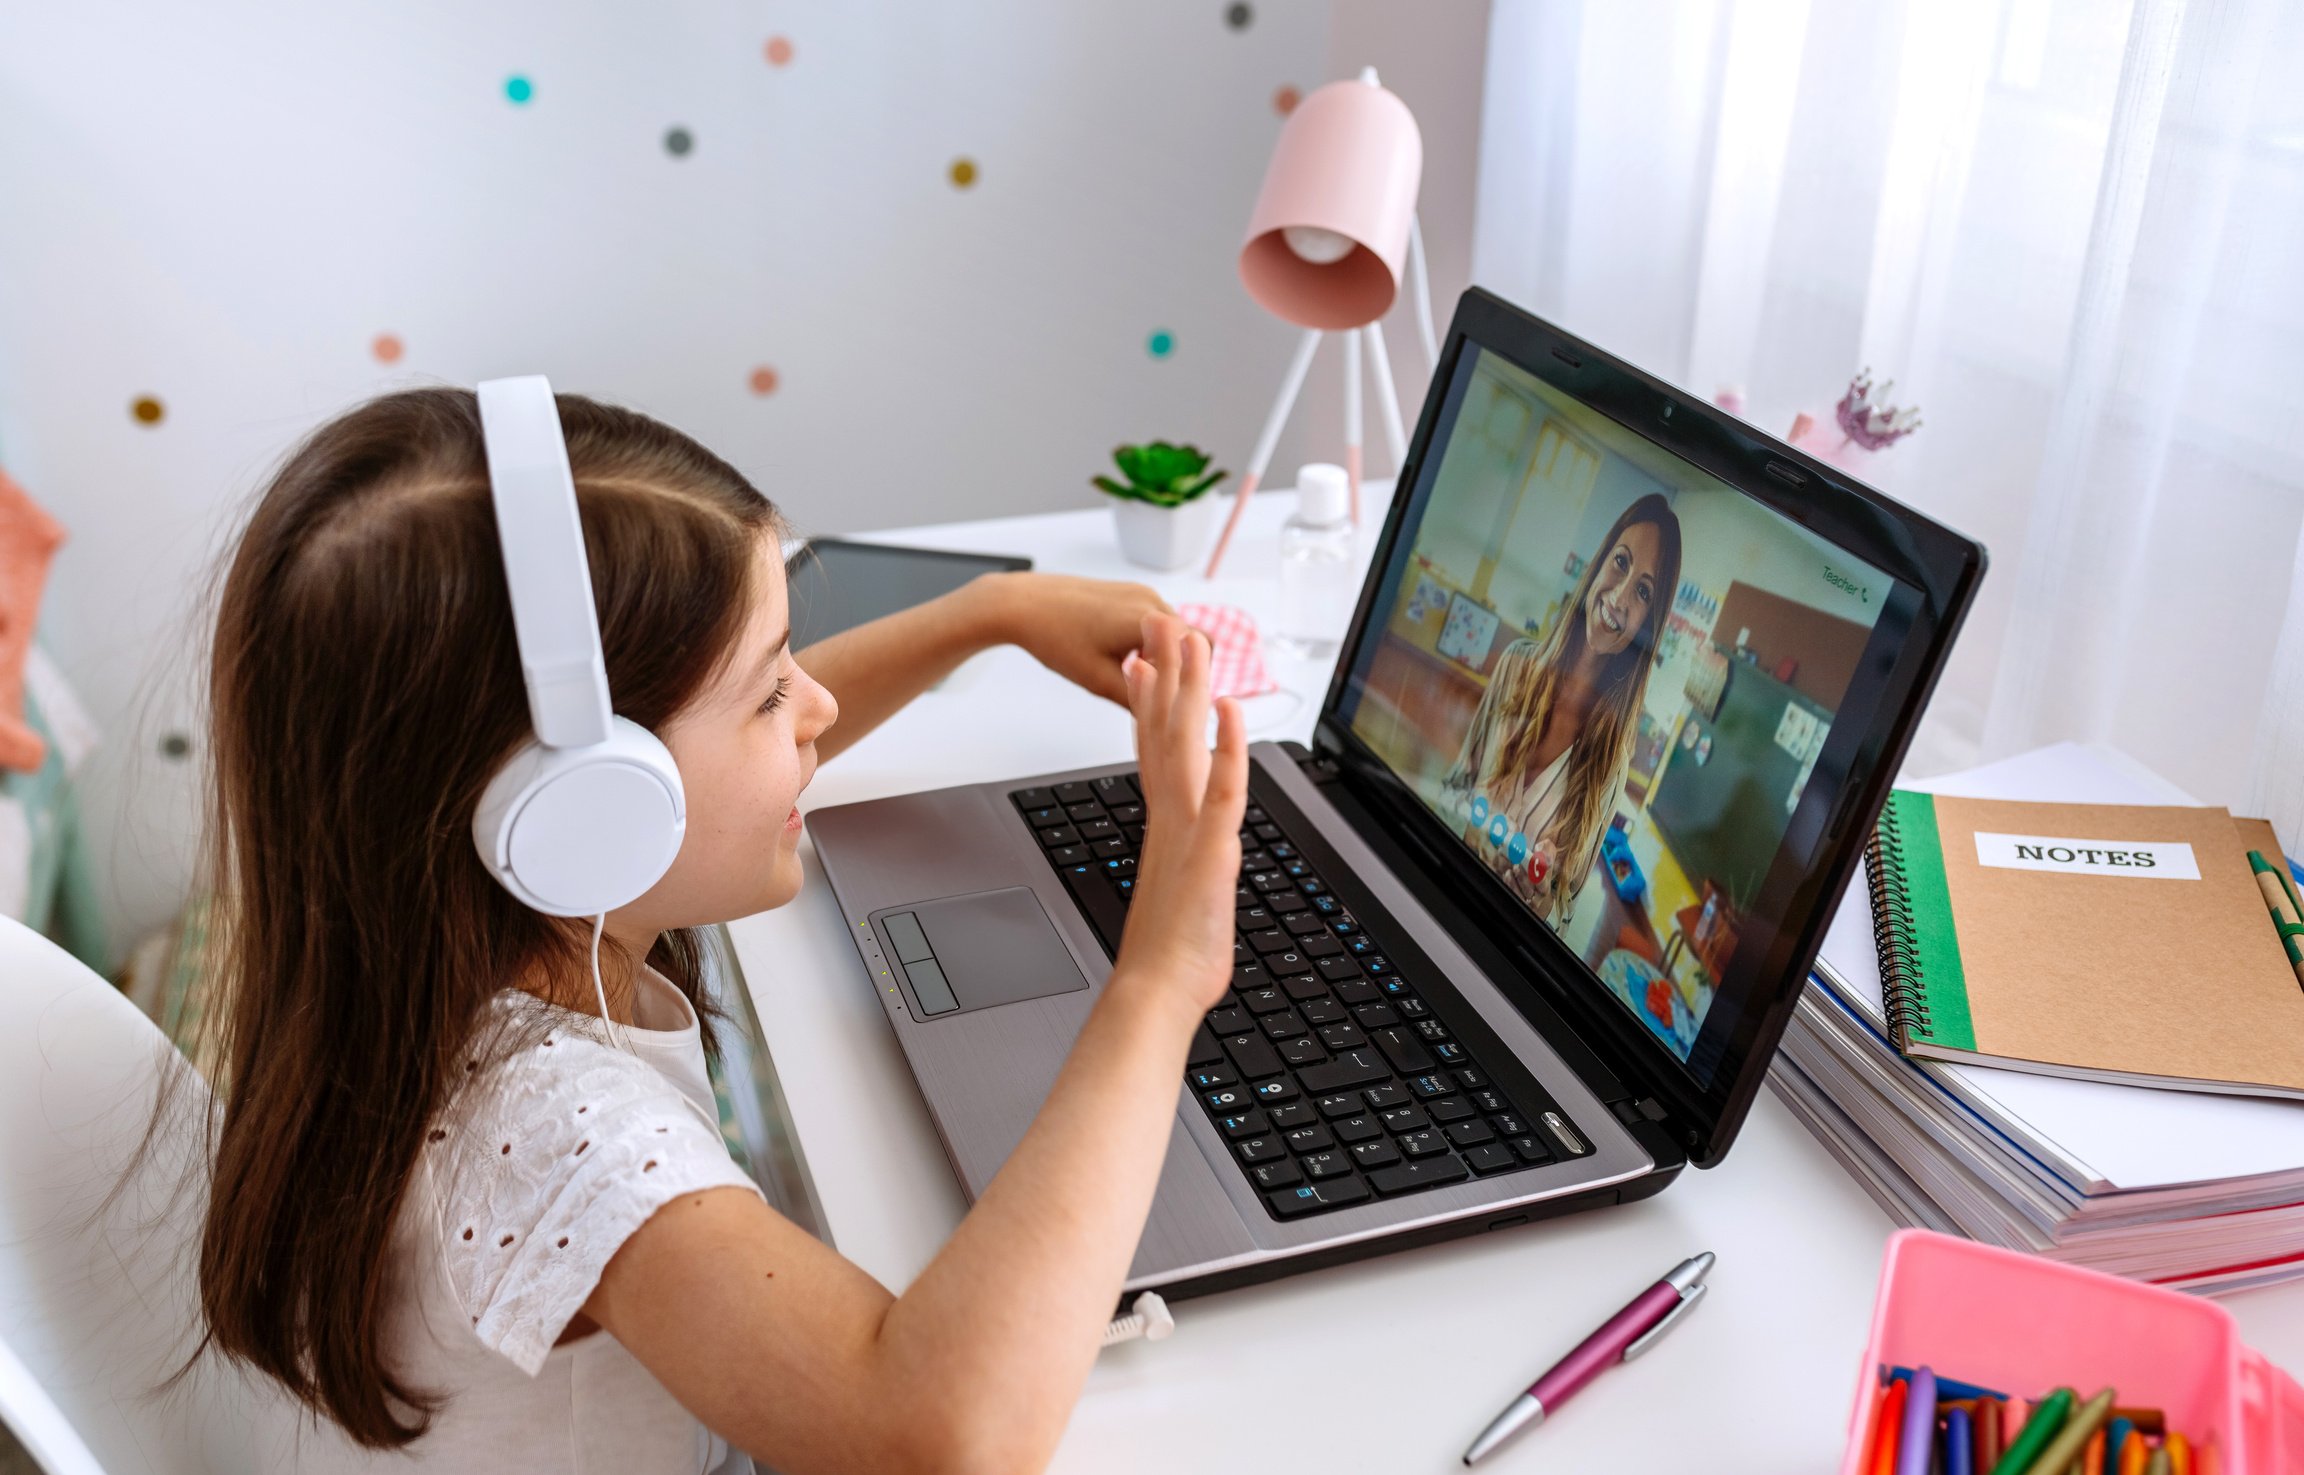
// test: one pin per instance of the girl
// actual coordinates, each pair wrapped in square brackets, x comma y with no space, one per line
[456,1214]
[1545,754]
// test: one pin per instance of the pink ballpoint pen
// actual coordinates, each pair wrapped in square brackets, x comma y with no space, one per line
[1621,1338]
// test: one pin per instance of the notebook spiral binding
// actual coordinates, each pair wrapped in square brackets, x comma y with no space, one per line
[1893,934]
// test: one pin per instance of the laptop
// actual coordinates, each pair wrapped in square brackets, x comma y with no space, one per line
[1518,932]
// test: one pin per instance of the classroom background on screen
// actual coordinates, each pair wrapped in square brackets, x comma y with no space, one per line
[1645,843]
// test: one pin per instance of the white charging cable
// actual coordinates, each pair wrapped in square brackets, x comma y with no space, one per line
[1147,1318]
[600,990]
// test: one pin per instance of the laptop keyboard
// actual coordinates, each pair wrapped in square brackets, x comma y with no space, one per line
[1330,1075]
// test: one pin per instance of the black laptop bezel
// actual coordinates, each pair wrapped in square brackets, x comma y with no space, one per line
[1940,568]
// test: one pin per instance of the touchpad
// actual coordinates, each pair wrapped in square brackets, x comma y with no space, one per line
[973,952]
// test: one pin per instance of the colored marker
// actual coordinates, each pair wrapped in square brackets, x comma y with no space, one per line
[1886,1429]
[2072,1435]
[1949,1387]
[2135,1455]
[2179,1453]
[2117,1433]
[2159,1463]
[2287,912]
[2092,1454]
[1959,1447]
[2039,1427]
[1987,1419]
[1916,1445]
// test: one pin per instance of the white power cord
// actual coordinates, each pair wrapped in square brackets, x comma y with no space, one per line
[599,989]
[1147,1318]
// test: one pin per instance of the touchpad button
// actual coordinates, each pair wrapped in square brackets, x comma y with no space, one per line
[983,949]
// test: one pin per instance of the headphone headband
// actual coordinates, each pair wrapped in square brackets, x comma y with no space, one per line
[553,618]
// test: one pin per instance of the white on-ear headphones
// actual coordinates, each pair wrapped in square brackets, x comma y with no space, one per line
[590,812]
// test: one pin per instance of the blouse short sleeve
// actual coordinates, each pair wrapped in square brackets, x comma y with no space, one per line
[545,1169]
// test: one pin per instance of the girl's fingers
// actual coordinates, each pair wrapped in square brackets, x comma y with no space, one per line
[1227,788]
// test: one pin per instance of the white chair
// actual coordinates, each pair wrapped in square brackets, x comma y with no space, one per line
[97,1295]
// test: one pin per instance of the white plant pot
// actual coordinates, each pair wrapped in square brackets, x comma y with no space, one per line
[1164,538]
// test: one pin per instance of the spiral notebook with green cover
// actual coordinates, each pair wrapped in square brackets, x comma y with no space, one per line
[2111,942]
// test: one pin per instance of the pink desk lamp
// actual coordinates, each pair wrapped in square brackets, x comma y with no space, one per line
[1333,225]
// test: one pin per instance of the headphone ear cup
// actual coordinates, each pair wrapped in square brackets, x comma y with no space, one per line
[574,832]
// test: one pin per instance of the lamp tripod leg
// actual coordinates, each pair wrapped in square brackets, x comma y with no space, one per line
[1387,398]
[1352,420]
[1291,384]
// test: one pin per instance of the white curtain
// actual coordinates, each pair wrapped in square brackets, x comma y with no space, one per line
[2071,231]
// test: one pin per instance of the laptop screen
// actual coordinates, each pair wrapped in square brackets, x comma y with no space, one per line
[1610,676]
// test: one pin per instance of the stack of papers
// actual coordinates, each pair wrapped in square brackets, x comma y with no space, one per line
[2200,1191]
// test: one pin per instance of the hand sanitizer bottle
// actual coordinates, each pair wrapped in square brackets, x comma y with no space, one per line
[1318,583]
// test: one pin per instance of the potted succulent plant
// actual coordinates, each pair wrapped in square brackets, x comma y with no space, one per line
[1162,511]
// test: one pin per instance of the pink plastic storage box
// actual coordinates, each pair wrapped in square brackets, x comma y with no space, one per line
[2024,1325]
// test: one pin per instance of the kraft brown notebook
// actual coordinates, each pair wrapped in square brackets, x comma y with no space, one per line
[2114,942]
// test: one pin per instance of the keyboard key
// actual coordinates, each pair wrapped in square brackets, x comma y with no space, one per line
[1314,1138]
[1377,1152]
[1409,1005]
[1450,1053]
[1419,1173]
[1264,1000]
[1400,1047]
[1301,923]
[1253,919]
[1068,855]
[1295,1114]
[1109,847]
[1074,793]
[1275,1091]
[1098,829]
[1358,991]
[1337,970]
[1115,788]
[1230,1019]
[1321,1165]
[1209,1077]
[1471,1133]
[1431,1031]
[1342,1037]
[1422,1143]
[1320,1011]
[1057,836]
[1384,1098]
[1334,1193]
[1361,945]
[1287,961]
[1333,910]
[1302,1050]
[1230,1098]
[1247,975]
[1374,1016]
[1530,1150]
[1449,1109]
[1490,1101]
[1252,1055]
[1205,1050]
[1282,1026]
[1377,966]
[1269,881]
[1359,1128]
[1428,1086]
[1339,1104]
[1260,1149]
[1270,941]
[1077,812]
[1508,1124]
[1471,1080]
[1493,1157]
[1281,1173]
[1254,815]
[1285,902]
[1033,798]
[1311,885]
[1323,946]
[1281,851]
[1047,815]
[1267,832]
[1296,868]
[1352,1068]
[1254,860]
[1250,1123]
[1395,988]
[1402,1118]
[1127,814]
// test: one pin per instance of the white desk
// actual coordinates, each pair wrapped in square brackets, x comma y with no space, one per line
[1395,1363]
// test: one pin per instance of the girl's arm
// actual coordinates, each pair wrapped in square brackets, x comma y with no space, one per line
[1079,628]
[804,1361]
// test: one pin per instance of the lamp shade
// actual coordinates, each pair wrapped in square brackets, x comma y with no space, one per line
[1329,235]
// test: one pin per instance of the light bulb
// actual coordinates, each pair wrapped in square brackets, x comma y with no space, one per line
[1316,244]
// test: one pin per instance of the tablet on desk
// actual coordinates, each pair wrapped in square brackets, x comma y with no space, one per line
[836,584]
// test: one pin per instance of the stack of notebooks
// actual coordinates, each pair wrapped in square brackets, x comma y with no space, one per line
[2195,1180]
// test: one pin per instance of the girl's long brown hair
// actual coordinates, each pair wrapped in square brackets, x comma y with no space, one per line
[364,687]
[1612,726]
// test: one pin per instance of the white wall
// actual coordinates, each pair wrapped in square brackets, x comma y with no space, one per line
[221,206]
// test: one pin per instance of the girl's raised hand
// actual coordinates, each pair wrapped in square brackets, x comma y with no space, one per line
[1179,932]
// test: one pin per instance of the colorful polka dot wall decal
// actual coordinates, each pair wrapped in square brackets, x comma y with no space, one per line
[963,173]
[1238,15]
[779,51]
[387,347]
[1284,100]
[1161,344]
[147,410]
[678,141]
[764,380]
[518,88]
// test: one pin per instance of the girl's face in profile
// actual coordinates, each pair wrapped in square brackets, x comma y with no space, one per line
[746,747]
[1623,591]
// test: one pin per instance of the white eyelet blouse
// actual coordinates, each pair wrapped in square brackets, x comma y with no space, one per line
[525,1190]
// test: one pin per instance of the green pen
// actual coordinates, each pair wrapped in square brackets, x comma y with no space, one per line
[2287,910]
[2038,1430]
